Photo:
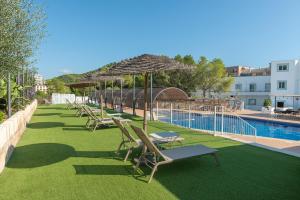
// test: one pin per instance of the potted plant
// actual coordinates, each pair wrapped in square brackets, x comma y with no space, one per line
[268,104]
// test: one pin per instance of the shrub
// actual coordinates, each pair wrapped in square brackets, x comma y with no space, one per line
[1,116]
[267,102]
[40,94]
[2,103]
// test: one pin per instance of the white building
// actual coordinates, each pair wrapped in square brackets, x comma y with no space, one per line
[285,83]
[280,82]
[252,90]
[40,83]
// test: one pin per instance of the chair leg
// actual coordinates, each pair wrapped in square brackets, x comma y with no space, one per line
[137,166]
[119,148]
[88,123]
[127,154]
[216,158]
[152,173]
[96,125]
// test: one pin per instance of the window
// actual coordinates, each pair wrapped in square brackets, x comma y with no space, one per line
[251,102]
[280,104]
[281,85]
[267,87]
[238,87]
[252,87]
[282,67]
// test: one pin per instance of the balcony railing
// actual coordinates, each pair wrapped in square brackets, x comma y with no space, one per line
[238,91]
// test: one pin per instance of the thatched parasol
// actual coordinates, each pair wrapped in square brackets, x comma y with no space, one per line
[145,64]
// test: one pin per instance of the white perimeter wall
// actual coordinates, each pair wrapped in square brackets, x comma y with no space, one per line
[58,98]
[11,131]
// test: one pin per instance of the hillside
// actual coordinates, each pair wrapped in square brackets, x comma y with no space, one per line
[68,78]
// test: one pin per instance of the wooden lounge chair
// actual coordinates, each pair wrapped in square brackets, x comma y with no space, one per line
[99,121]
[153,157]
[129,142]
[83,110]
[69,104]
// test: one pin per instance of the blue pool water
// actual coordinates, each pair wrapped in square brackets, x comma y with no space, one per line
[279,130]
[206,122]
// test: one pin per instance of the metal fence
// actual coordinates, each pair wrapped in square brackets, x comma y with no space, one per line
[212,119]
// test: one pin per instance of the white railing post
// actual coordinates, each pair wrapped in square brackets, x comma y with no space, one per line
[157,110]
[222,120]
[189,116]
[171,113]
[215,120]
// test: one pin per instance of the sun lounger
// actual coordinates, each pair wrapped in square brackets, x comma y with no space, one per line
[98,121]
[129,142]
[69,105]
[83,110]
[114,114]
[153,157]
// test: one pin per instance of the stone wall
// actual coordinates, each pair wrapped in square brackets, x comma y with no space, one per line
[11,131]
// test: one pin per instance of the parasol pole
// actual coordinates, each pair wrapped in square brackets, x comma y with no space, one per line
[101,99]
[151,98]
[145,101]
[105,99]
[133,98]
[121,106]
[112,94]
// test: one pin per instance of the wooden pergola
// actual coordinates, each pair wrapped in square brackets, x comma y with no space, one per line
[98,78]
[82,84]
[145,64]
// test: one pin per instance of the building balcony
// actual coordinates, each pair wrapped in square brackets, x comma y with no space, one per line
[250,92]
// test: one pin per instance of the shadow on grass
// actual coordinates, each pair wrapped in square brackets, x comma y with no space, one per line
[103,170]
[68,115]
[42,154]
[41,125]
[51,108]
[95,154]
[47,114]
[83,128]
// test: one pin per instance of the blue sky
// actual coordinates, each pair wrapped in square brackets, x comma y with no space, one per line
[86,34]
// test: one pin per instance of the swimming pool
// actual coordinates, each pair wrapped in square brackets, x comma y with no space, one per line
[279,130]
[264,128]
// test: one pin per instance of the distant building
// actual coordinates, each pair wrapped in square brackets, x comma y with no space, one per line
[40,83]
[247,71]
[279,82]
[237,70]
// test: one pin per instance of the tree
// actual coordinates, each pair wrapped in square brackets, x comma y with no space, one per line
[177,78]
[210,76]
[21,30]
[57,86]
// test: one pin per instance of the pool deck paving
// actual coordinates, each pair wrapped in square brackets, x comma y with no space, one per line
[252,114]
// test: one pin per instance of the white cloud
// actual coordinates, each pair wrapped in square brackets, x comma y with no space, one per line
[65,71]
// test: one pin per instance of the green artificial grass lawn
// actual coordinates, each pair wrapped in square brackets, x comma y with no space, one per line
[57,158]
